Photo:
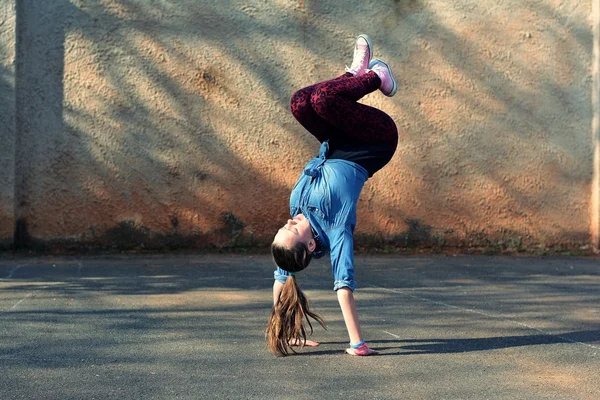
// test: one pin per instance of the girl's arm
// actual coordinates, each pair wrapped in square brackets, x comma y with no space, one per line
[342,263]
[277,287]
[350,313]
[348,306]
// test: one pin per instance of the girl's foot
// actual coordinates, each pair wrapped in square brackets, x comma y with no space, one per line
[363,350]
[302,343]
[363,52]
[384,72]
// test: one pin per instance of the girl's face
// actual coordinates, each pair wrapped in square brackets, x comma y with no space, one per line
[294,231]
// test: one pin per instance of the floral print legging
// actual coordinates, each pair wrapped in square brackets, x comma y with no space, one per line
[330,111]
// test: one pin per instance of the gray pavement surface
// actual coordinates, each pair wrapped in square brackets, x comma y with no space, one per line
[191,327]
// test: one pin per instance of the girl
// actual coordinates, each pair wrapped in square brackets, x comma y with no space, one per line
[356,141]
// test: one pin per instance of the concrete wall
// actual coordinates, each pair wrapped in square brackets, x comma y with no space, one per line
[166,123]
[7,121]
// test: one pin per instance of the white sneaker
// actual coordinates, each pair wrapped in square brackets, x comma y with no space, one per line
[384,72]
[363,52]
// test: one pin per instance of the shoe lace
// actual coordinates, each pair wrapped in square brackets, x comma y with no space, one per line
[380,70]
[362,55]
[358,61]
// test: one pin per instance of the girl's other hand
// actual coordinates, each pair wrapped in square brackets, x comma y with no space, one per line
[301,343]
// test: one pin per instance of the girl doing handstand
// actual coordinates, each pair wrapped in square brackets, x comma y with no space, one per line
[356,141]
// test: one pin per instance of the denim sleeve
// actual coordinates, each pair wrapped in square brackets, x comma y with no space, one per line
[342,257]
[280,275]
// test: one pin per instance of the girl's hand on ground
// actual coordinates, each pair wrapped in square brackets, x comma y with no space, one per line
[361,351]
[301,343]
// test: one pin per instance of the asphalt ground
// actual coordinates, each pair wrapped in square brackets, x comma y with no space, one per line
[192,327]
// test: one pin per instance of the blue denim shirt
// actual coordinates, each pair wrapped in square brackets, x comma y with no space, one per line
[326,194]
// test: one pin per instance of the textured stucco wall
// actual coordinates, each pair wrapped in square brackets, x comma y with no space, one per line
[7,121]
[167,123]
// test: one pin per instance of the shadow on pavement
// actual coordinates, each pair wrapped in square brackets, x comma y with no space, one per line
[444,346]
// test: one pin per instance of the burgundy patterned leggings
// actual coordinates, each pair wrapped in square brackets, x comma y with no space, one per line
[329,111]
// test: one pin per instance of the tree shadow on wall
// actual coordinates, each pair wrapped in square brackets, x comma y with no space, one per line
[93,141]
[485,190]
[134,125]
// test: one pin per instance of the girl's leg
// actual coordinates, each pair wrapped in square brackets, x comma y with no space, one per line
[302,110]
[336,102]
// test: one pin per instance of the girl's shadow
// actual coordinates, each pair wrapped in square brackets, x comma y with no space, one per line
[444,346]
